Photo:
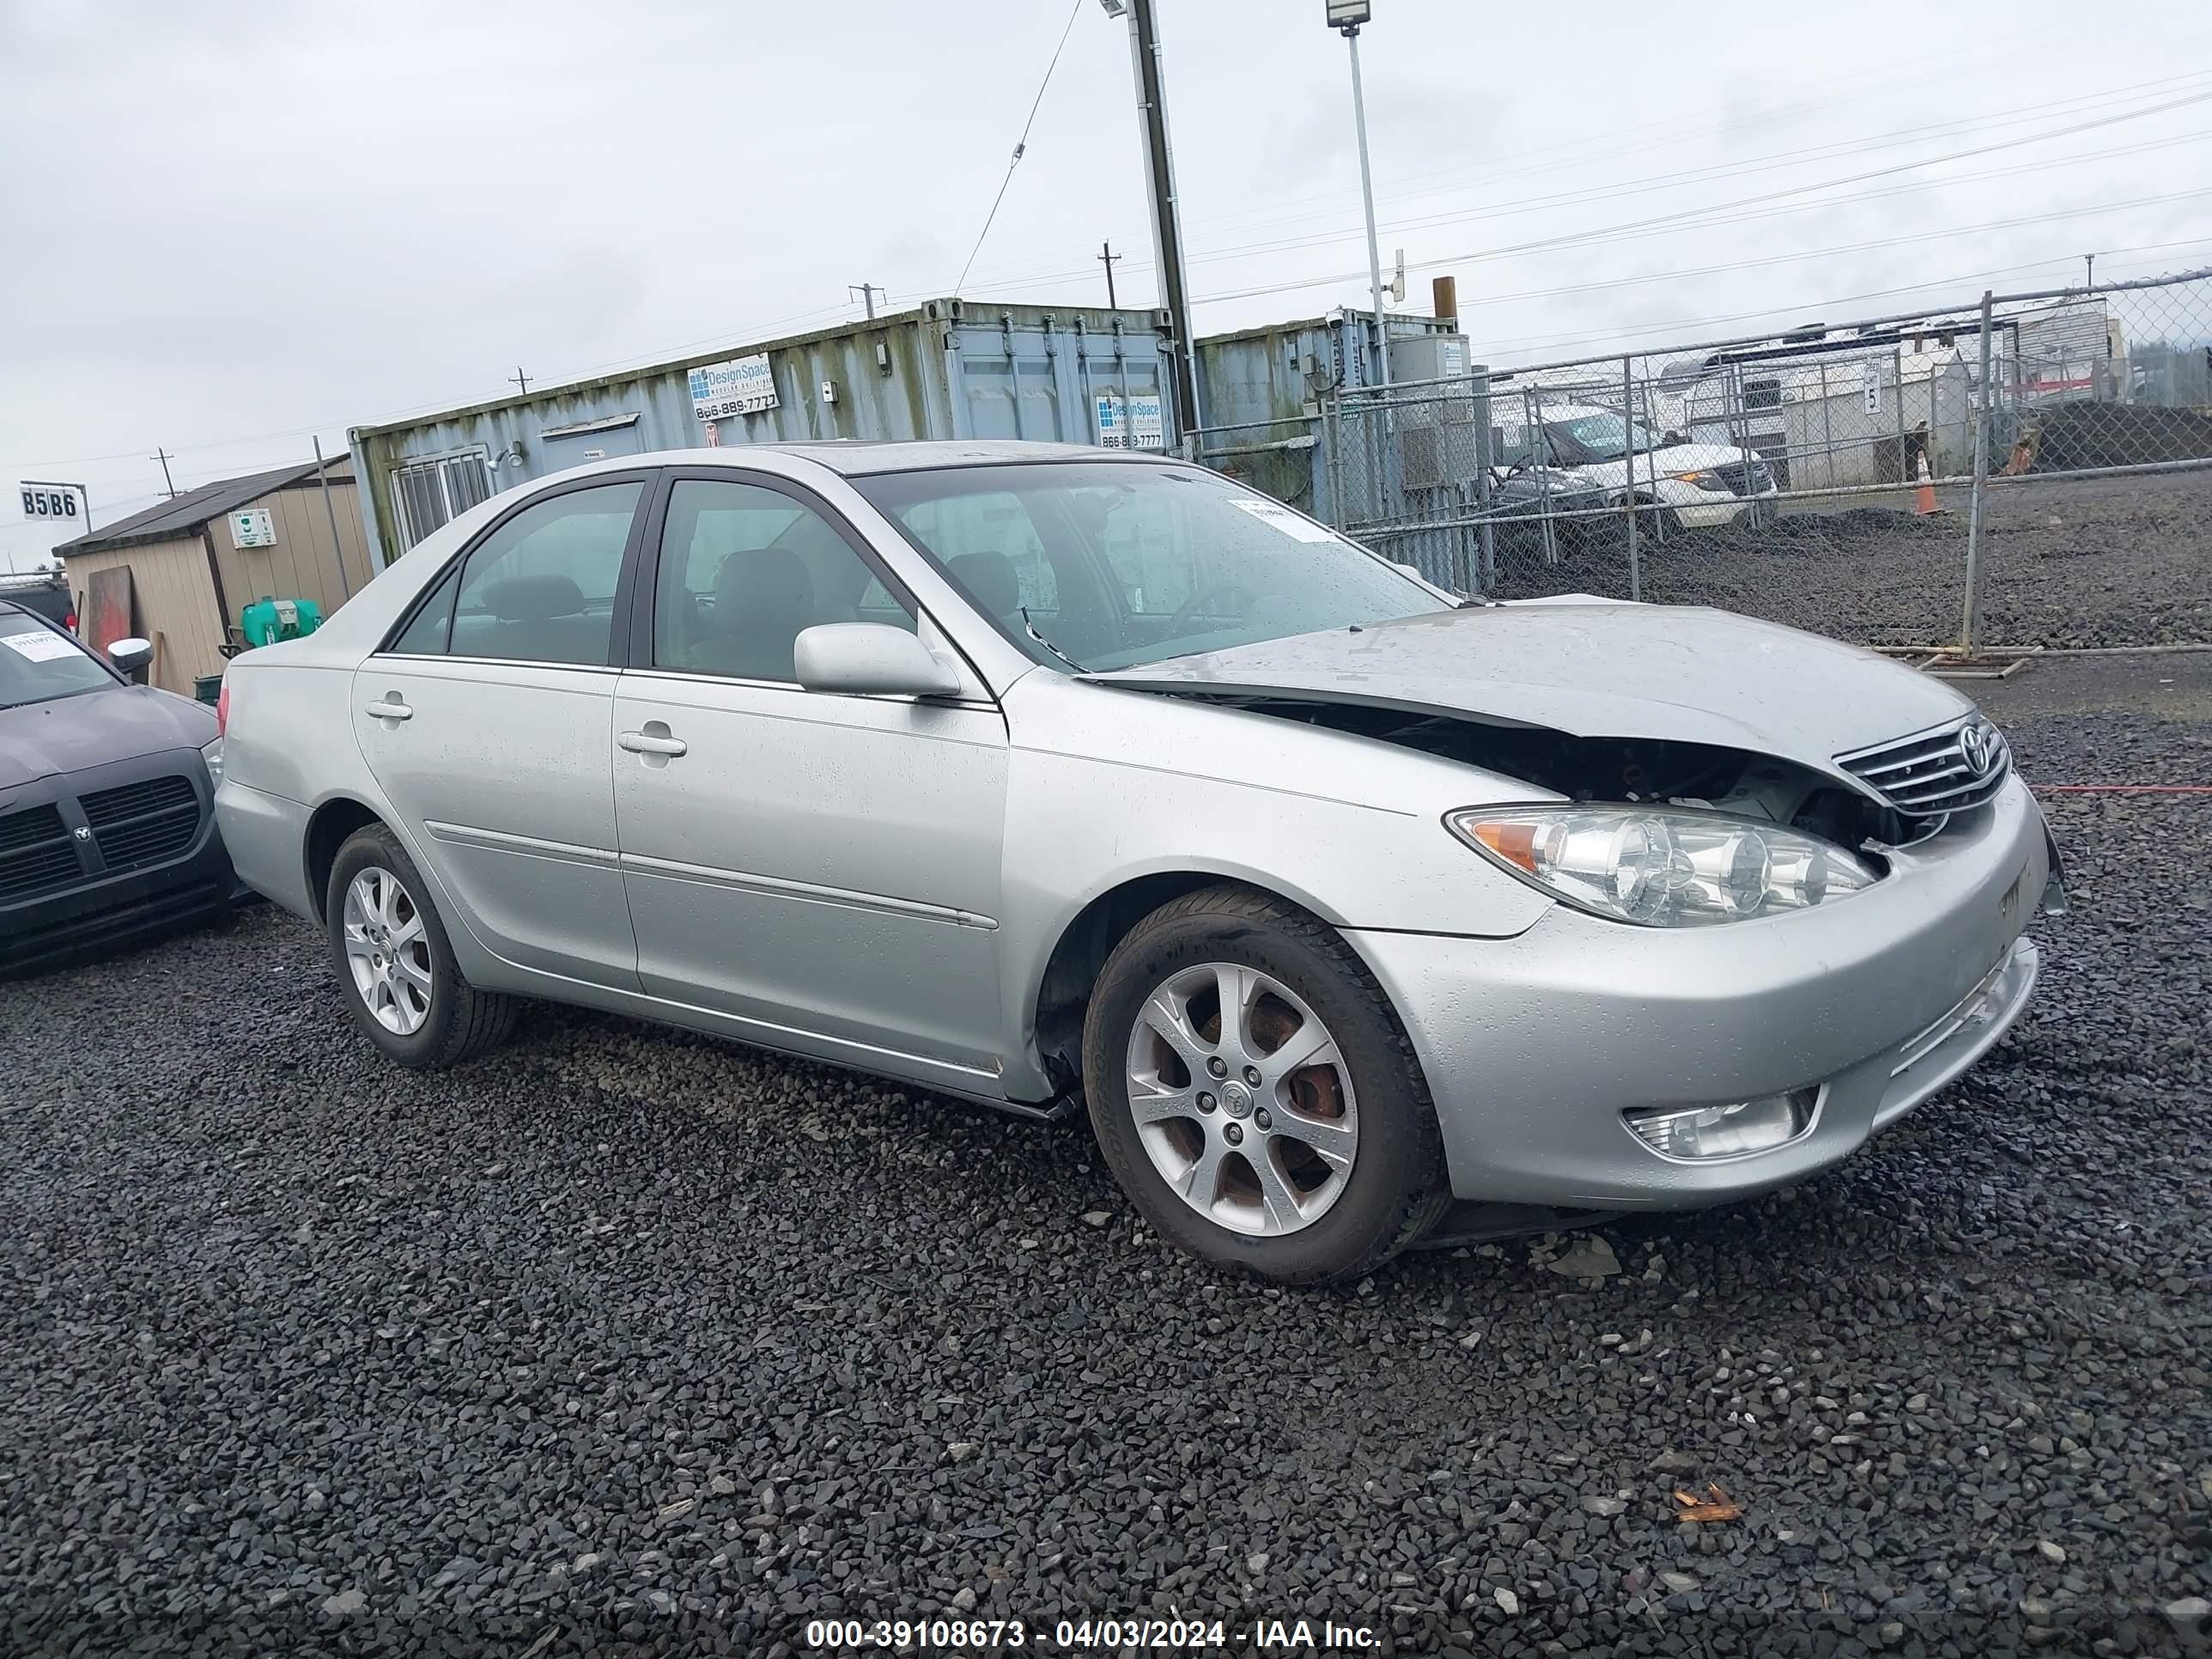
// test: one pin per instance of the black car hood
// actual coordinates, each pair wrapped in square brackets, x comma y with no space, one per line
[66,734]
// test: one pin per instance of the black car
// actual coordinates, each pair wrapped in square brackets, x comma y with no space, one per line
[47,594]
[106,800]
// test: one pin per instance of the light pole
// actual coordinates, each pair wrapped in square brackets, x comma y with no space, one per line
[1346,16]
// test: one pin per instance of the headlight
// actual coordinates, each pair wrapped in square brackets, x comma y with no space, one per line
[1701,480]
[212,754]
[1661,867]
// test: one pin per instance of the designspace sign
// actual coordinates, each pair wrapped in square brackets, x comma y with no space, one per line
[743,385]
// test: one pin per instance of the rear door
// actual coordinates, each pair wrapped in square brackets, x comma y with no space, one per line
[487,720]
[823,866]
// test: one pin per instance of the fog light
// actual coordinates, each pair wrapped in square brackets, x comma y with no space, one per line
[1749,1125]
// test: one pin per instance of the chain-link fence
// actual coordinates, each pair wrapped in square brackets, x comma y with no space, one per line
[2050,453]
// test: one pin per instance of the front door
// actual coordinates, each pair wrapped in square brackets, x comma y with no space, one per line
[489,723]
[823,868]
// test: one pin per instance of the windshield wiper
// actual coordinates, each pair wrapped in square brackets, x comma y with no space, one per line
[1029,628]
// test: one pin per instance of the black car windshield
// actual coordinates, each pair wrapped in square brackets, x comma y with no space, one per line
[1104,565]
[38,664]
[1600,437]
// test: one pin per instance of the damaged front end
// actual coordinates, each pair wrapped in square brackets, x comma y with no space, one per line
[1762,789]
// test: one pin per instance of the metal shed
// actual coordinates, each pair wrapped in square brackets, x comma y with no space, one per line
[191,573]
[946,368]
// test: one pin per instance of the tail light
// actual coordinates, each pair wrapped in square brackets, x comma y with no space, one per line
[70,621]
[223,708]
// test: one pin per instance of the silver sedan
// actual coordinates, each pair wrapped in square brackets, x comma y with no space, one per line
[1061,779]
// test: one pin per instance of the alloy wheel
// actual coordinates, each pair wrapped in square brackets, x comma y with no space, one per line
[1243,1099]
[387,950]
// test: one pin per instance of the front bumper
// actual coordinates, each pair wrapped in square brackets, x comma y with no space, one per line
[1533,1046]
[104,910]
[1709,509]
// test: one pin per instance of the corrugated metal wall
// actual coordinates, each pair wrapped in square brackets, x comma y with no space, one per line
[944,369]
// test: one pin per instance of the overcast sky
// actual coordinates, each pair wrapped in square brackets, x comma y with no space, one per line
[232,226]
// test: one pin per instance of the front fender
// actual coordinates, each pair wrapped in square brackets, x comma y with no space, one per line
[1107,787]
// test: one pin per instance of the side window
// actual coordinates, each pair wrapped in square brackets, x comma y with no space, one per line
[427,634]
[743,571]
[541,588]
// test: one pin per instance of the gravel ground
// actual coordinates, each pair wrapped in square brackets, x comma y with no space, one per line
[627,1341]
[2090,562]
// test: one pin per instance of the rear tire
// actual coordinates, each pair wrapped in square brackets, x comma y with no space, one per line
[395,966]
[1326,1166]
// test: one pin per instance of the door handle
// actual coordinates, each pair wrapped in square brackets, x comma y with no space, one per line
[390,710]
[645,742]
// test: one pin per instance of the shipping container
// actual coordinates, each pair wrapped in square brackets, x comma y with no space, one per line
[947,369]
[1264,390]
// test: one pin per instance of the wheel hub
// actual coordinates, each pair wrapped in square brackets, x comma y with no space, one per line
[1242,1099]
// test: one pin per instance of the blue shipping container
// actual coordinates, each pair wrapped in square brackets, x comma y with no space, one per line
[948,369]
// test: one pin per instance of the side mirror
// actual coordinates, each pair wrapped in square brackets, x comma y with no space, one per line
[129,656]
[1670,439]
[870,659]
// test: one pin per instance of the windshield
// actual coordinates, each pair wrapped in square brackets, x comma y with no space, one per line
[1104,565]
[1600,437]
[38,664]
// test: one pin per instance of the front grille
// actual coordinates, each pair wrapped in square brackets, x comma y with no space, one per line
[144,823]
[1930,774]
[1744,477]
[37,854]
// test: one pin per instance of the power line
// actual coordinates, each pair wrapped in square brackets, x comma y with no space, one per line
[1020,144]
[1829,252]
[1677,326]
[1684,217]
[1646,185]
[1607,234]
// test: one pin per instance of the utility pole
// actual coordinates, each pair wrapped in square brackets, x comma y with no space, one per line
[1107,258]
[1167,219]
[162,456]
[338,547]
[519,378]
[868,291]
[1346,16]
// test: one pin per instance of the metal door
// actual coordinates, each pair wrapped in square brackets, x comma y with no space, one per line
[499,765]
[822,867]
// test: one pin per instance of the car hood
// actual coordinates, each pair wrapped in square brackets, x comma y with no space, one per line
[1674,458]
[1591,669]
[40,739]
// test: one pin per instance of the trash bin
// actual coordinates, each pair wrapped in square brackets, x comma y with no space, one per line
[208,687]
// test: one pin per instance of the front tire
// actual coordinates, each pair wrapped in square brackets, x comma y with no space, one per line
[395,966]
[1253,1093]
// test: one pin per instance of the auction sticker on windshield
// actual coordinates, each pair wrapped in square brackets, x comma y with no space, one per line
[1281,518]
[38,644]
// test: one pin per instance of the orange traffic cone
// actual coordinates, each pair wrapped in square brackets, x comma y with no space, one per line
[1923,498]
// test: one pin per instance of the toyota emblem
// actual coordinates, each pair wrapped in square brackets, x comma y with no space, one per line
[1975,747]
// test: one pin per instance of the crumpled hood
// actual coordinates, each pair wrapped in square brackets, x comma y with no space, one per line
[42,739]
[1592,670]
